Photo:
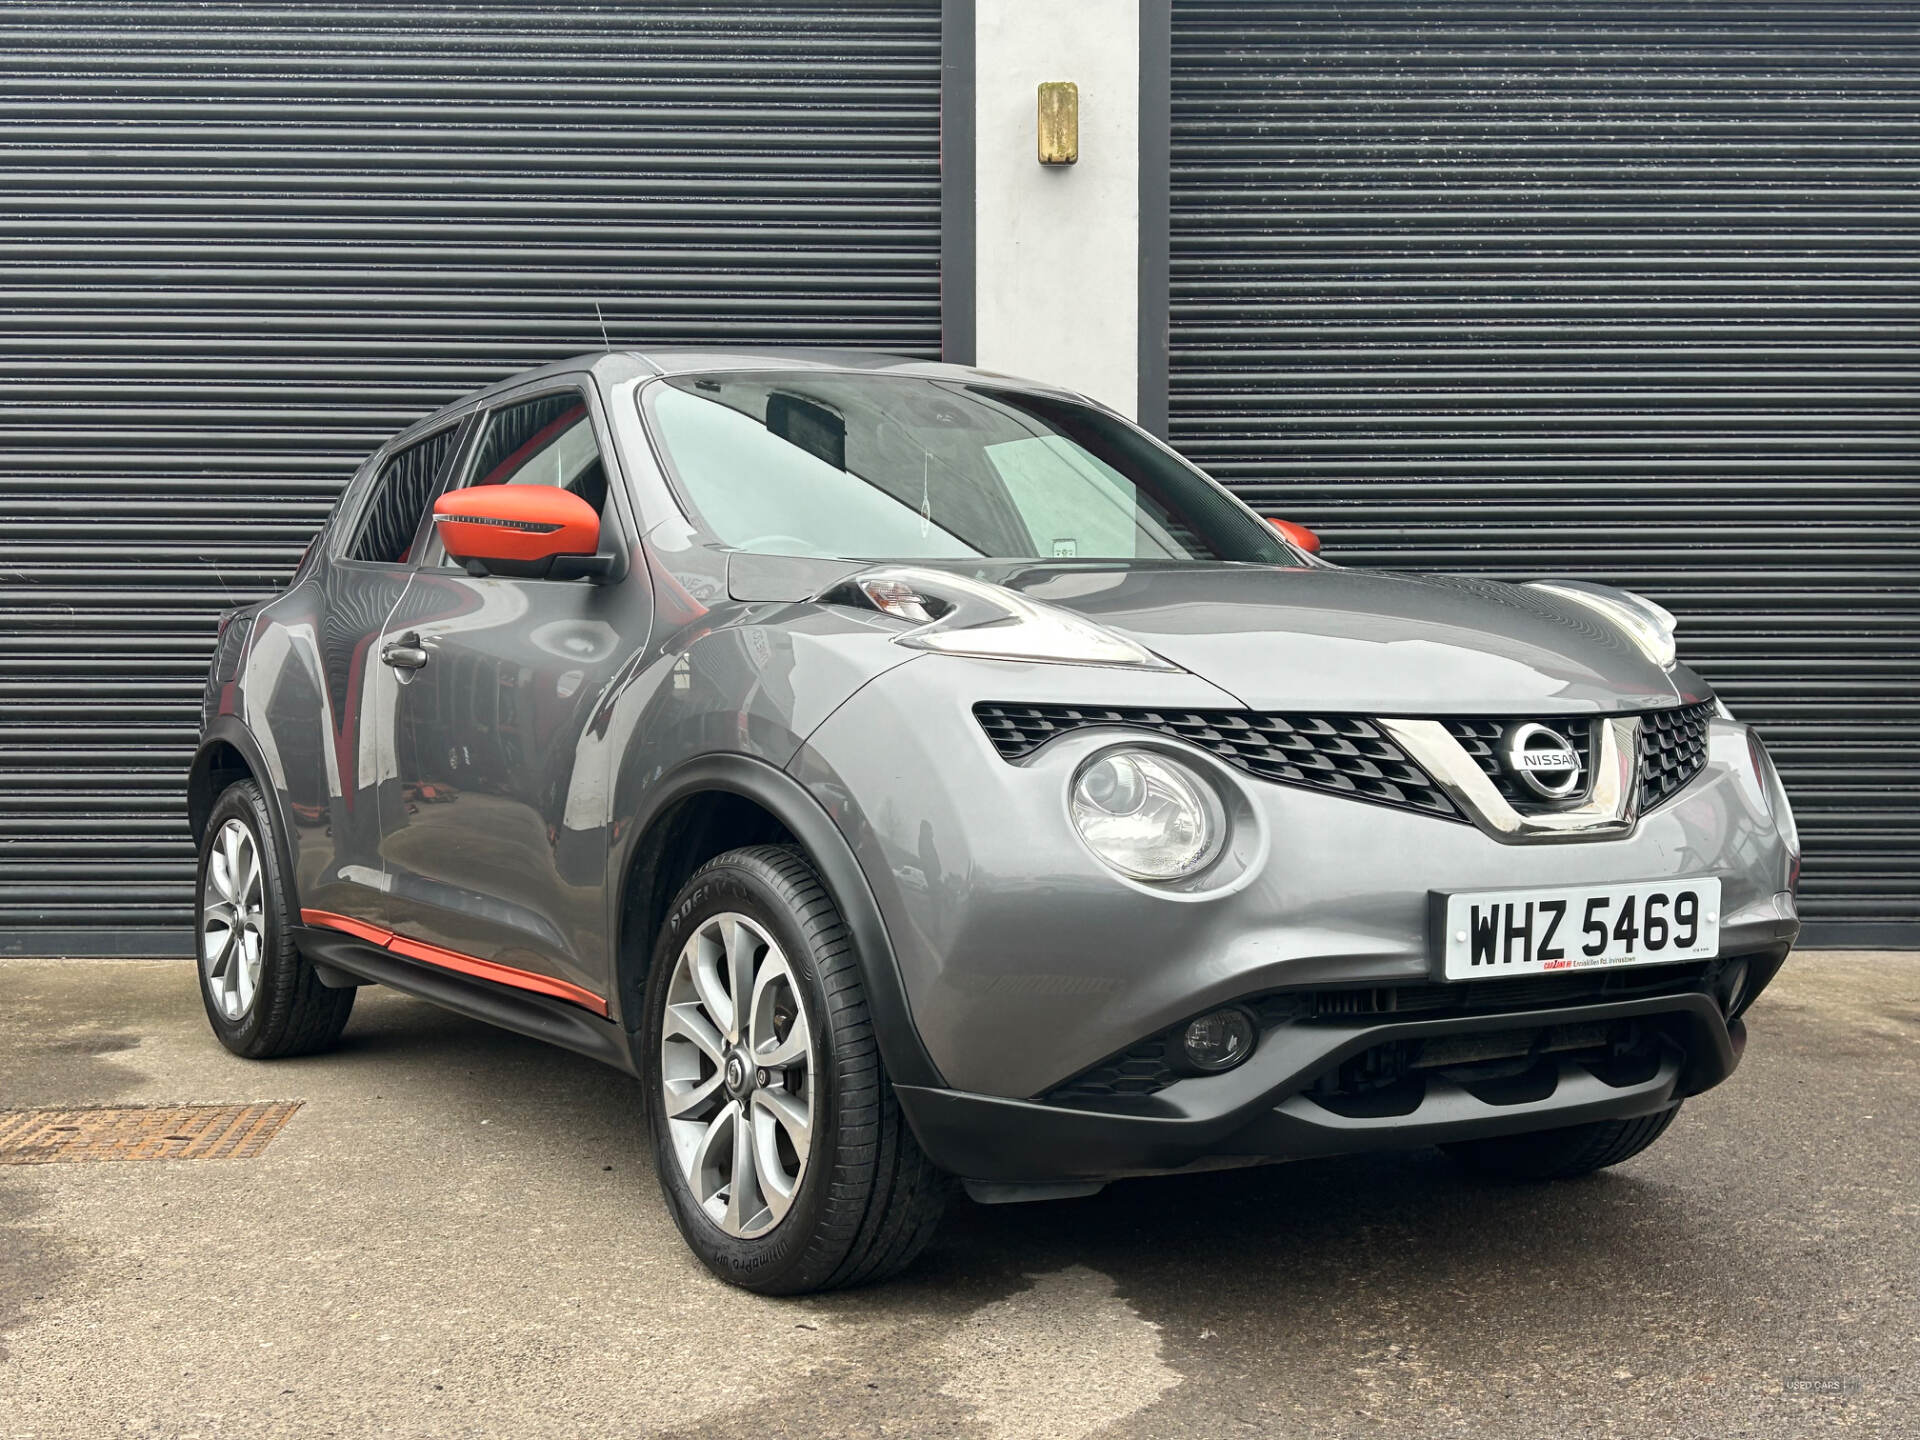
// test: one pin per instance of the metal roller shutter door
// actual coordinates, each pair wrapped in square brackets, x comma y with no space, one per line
[1625,291]
[241,243]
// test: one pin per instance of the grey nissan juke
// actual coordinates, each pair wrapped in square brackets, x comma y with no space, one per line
[916,775]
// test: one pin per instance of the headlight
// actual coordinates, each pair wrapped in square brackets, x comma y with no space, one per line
[958,615]
[1648,625]
[1147,815]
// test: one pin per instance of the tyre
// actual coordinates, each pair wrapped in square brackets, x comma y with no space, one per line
[780,1146]
[262,997]
[1565,1153]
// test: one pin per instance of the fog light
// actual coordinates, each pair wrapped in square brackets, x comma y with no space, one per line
[1218,1040]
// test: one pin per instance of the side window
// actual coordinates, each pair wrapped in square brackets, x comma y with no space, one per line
[399,498]
[544,441]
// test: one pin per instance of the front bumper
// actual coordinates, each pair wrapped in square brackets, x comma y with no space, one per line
[1026,962]
[1269,1109]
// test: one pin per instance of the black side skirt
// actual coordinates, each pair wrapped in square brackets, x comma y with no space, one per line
[536,1016]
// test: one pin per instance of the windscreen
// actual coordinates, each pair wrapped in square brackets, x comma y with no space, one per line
[880,467]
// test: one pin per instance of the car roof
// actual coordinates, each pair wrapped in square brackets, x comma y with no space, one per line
[613,366]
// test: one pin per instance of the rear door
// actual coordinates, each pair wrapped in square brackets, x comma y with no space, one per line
[334,770]
[495,836]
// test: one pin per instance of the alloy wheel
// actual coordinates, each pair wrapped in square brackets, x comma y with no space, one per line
[737,1074]
[233,919]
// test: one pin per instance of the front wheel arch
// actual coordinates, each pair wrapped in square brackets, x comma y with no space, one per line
[786,803]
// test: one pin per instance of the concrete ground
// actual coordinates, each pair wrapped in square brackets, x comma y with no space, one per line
[459,1234]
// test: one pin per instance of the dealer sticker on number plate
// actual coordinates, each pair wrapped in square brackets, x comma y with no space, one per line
[1541,932]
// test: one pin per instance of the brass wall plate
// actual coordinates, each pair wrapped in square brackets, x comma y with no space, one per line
[1059,122]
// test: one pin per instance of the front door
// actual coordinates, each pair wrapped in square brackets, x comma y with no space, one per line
[495,837]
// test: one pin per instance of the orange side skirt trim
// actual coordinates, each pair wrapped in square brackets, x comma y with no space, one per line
[347,925]
[445,959]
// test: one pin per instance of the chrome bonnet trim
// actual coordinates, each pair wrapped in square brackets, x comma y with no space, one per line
[1611,807]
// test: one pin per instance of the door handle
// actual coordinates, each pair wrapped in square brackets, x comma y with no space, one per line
[404,652]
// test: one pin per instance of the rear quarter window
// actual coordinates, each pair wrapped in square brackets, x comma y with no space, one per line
[383,534]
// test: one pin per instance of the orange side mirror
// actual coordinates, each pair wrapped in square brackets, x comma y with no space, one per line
[515,529]
[1298,536]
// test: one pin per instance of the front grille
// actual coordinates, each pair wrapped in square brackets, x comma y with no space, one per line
[1480,738]
[1352,756]
[1148,1067]
[1673,749]
[1339,754]
[1437,1000]
[1500,1067]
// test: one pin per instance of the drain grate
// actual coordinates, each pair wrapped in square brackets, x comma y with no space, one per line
[141,1132]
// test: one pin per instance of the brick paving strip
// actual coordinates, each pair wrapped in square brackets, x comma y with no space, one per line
[141,1132]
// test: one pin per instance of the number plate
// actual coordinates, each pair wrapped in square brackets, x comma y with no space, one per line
[1501,933]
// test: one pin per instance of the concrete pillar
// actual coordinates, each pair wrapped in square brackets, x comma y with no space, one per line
[1044,262]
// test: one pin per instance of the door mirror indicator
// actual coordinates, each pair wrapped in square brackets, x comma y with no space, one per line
[530,532]
[1298,536]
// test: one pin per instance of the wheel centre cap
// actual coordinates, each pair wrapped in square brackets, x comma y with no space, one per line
[738,1075]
